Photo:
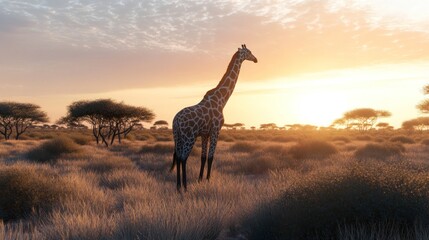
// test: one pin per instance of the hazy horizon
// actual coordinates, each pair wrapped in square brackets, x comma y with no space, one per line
[317,59]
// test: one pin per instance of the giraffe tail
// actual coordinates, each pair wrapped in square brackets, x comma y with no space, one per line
[174,161]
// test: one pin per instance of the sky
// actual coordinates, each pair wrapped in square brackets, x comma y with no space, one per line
[316,59]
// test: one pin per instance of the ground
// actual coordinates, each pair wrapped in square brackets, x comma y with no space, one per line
[59,184]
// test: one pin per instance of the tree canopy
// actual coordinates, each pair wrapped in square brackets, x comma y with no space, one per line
[162,124]
[419,124]
[426,89]
[268,126]
[424,105]
[17,117]
[233,126]
[361,118]
[108,119]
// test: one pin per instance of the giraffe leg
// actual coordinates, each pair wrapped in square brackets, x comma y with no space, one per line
[204,142]
[213,142]
[174,161]
[184,175]
[178,174]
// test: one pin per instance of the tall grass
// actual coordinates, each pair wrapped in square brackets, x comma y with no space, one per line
[258,190]
[363,194]
[26,188]
[51,150]
[380,151]
[313,149]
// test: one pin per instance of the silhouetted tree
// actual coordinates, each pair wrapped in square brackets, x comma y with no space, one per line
[108,119]
[362,119]
[268,126]
[161,124]
[233,126]
[424,105]
[341,122]
[420,124]
[18,117]
[426,89]
[384,126]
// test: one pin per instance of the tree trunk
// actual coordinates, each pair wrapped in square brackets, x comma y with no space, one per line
[94,132]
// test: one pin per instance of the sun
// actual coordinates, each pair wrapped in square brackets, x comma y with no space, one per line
[321,107]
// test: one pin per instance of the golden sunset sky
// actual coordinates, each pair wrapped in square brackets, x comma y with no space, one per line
[317,59]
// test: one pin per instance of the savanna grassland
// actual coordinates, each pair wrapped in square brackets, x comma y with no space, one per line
[265,185]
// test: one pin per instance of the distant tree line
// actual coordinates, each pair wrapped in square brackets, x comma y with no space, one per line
[234,125]
[110,120]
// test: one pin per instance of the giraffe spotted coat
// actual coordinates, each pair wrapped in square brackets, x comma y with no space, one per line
[205,119]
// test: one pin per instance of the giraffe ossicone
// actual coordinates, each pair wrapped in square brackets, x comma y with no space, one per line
[205,120]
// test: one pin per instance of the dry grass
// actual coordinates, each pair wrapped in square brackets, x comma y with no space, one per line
[126,191]
[363,194]
[316,149]
[343,139]
[380,151]
[51,150]
[27,188]
[425,141]
[245,147]
[402,139]
[158,148]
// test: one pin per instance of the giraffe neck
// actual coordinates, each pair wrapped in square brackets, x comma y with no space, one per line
[221,93]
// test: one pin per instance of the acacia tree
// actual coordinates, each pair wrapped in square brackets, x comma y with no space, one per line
[108,119]
[161,124]
[362,119]
[420,124]
[268,126]
[424,105]
[233,126]
[17,117]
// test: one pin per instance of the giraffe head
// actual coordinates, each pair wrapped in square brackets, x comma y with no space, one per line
[246,54]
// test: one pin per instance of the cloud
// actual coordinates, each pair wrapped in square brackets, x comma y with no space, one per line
[10,22]
[187,25]
[80,46]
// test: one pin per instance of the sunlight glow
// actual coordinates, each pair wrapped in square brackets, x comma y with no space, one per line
[321,107]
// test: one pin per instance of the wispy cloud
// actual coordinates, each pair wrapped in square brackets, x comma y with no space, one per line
[184,25]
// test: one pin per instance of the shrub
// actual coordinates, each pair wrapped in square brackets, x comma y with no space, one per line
[81,139]
[341,139]
[163,136]
[284,139]
[226,138]
[51,150]
[312,149]
[402,139]
[425,141]
[258,165]
[366,194]
[245,147]
[143,136]
[25,189]
[109,164]
[158,148]
[267,158]
[363,138]
[379,151]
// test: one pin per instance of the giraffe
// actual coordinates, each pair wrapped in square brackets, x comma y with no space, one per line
[205,119]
